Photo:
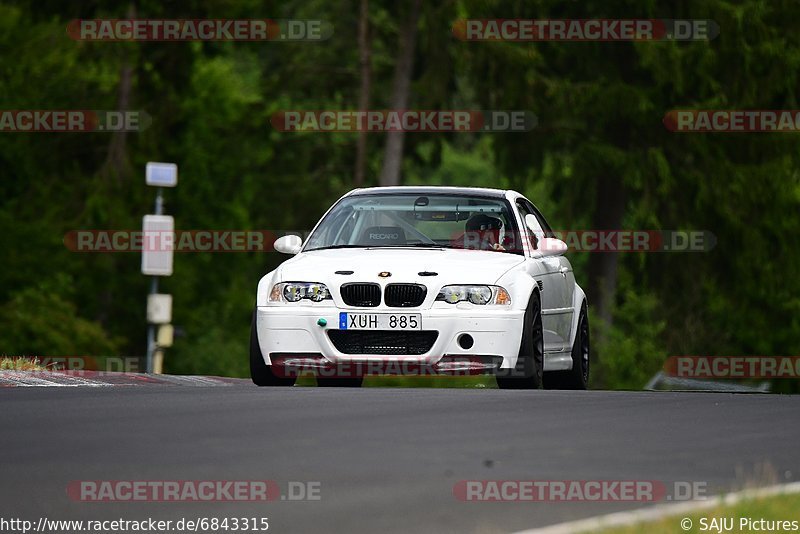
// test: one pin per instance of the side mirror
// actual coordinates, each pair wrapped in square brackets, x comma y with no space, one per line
[550,246]
[288,244]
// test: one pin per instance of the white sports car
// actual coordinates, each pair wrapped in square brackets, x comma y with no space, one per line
[450,279]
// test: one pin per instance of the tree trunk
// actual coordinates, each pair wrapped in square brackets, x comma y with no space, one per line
[603,266]
[393,155]
[117,159]
[364,53]
[116,163]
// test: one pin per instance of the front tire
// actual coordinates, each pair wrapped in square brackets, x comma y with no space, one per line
[527,374]
[578,376]
[260,372]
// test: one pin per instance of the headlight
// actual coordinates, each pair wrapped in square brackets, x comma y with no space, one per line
[297,291]
[475,294]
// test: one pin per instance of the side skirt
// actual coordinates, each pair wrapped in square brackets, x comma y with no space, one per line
[558,361]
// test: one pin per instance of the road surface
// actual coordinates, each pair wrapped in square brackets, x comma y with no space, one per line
[386,459]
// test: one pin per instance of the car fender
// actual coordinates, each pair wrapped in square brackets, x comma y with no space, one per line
[520,285]
[578,298]
[265,286]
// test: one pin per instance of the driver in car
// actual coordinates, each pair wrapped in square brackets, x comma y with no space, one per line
[481,232]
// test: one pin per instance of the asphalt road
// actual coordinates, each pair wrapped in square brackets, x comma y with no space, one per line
[386,459]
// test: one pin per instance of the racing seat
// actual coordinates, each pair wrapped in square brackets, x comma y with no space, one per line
[382,235]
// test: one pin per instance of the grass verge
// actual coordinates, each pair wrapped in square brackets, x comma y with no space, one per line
[20,364]
[745,516]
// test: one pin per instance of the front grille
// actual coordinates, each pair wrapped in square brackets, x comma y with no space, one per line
[361,295]
[404,295]
[388,342]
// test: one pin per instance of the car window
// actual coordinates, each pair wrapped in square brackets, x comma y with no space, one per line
[446,220]
[548,232]
[340,226]
[526,208]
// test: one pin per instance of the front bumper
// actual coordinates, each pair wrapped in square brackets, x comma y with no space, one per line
[293,330]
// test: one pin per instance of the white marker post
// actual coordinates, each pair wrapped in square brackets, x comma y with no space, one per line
[157,252]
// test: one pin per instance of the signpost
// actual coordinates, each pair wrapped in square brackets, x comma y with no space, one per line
[157,252]
[157,244]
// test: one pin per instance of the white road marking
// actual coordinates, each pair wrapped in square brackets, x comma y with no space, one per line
[44,379]
[65,379]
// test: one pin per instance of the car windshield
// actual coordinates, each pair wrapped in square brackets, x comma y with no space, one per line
[413,220]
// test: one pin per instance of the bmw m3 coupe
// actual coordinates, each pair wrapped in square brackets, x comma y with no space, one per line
[452,279]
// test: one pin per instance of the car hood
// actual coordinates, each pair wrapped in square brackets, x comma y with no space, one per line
[453,266]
